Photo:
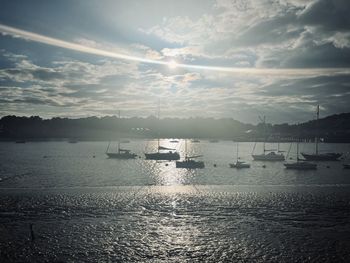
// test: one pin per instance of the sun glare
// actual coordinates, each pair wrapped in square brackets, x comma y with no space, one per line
[172,64]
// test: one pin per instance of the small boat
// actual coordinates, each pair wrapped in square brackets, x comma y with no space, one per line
[239,164]
[72,141]
[189,162]
[163,153]
[271,155]
[120,154]
[320,156]
[346,165]
[300,164]
[174,141]
[195,141]
[20,141]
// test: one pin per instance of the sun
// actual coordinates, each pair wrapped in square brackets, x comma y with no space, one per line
[172,64]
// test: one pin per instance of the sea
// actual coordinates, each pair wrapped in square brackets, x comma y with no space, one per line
[67,202]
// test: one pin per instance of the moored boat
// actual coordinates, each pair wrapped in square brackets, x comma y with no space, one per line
[320,156]
[166,156]
[271,156]
[267,155]
[300,164]
[163,153]
[120,153]
[189,162]
[346,165]
[239,164]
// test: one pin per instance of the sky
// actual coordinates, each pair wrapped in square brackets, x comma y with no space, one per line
[235,59]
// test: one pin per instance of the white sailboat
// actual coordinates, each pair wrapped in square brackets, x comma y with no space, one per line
[239,164]
[189,162]
[267,155]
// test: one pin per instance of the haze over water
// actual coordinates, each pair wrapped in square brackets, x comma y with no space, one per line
[86,208]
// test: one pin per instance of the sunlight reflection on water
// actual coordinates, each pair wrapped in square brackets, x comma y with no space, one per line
[97,209]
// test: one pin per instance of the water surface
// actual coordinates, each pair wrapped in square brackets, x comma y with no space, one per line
[85,207]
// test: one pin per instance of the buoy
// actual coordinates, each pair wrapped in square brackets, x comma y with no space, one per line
[328,166]
[166,164]
[264,166]
[214,164]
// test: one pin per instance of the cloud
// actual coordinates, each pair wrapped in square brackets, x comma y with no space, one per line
[85,49]
[329,14]
[234,59]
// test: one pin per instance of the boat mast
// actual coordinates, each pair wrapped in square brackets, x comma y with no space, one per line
[298,139]
[119,135]
[264,122]
[109,143]
[158,125]
[316,138]
[298,149]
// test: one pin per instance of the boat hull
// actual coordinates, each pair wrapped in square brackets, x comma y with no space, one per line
[239,165]
[190,164]
[301,166]
[346,166]
[268,157]
[121,155]
[322,157]
[169,156]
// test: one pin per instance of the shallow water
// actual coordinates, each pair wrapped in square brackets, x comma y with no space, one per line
[86,208]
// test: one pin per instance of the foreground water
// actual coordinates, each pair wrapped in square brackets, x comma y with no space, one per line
[85,207]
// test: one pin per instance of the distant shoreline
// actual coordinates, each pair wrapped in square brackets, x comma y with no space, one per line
[331,129]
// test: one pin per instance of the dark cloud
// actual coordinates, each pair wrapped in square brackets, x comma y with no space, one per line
[270,31]
[318,56]
[328,14]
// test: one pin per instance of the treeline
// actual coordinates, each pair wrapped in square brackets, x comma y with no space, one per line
[335,128]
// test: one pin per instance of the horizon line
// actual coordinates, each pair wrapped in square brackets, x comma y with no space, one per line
[149,116]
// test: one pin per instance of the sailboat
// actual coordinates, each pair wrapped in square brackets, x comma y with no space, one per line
[300,164]
[163,153]
[189,162]
[320,156]
[271,155]
[239,164]
[121,153]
